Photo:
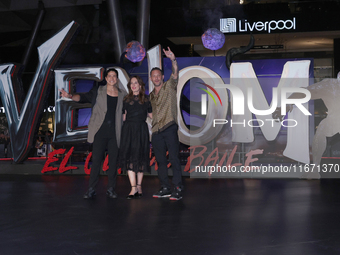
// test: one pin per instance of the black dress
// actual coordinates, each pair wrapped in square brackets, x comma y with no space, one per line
[135,144]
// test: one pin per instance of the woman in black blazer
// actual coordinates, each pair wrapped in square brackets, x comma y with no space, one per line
[104,128]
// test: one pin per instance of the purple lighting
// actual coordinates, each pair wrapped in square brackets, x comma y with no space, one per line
[213,39]
[135,52]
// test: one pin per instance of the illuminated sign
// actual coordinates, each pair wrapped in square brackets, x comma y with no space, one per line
[23,121]
[229,25]
[242,77]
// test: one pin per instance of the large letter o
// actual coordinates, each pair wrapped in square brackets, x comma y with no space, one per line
[207,132]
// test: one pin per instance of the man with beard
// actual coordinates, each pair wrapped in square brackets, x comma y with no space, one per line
[164,128]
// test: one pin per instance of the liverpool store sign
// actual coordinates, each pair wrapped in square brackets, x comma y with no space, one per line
[229,25]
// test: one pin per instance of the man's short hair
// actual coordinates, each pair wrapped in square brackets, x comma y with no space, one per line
[111,70]
[156,68]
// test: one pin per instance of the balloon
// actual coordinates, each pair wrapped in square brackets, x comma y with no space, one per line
[213,39]
[135,52]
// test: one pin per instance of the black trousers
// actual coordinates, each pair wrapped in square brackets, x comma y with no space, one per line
[101,142]
[168,139]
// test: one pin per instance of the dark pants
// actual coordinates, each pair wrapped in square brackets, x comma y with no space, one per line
[167,139]
[101,141]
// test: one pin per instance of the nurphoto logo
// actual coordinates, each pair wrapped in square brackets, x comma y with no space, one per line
[204,98]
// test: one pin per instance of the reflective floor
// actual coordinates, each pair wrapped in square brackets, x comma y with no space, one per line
[46,214]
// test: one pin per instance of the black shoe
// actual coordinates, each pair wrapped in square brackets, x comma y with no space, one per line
[139,195]
[90,193]
[163,192]
[132,196]
[111,193]
[176,194]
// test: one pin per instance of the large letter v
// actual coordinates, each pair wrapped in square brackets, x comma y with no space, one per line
[22,122]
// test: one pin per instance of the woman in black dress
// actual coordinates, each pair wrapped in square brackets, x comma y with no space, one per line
[135,143]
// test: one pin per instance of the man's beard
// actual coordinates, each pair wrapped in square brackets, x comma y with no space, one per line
[160,83]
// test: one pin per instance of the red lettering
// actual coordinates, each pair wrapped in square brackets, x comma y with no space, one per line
[213,157]
[153,160]
[250,159]
[223,158]
[193,156]
[167,153]
[51,159]
[86,169]
[62,167]
[215,151]
[106,163]
[231,157]
[209,159]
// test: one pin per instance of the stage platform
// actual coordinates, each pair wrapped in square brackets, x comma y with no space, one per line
[46,214]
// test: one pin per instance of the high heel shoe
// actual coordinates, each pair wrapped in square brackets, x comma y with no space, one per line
[132,196]
[139,195]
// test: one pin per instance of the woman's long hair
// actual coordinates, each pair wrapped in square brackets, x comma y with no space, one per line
[142,96]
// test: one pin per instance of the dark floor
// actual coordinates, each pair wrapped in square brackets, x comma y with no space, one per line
[46,214]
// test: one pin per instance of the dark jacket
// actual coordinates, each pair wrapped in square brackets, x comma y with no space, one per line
[97,96]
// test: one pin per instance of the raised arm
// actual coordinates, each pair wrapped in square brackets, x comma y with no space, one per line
[74,97]
[169,54]
[83,98]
